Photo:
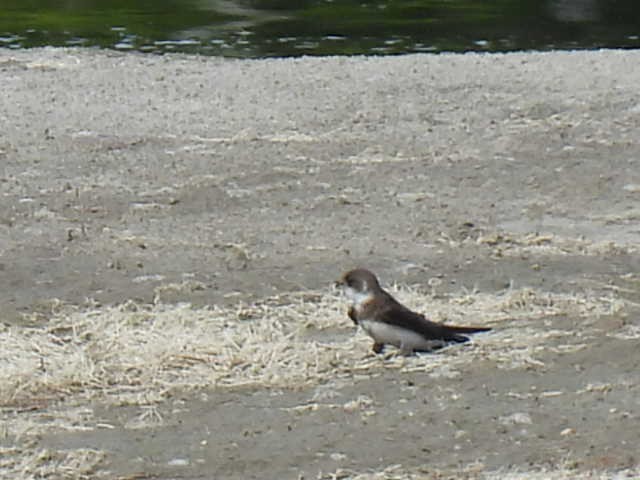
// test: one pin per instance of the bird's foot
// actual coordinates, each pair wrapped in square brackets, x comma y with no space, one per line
[406,352]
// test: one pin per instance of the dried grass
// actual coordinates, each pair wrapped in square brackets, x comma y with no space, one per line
[139,354]
[28,464]
[476,472]
[504,244]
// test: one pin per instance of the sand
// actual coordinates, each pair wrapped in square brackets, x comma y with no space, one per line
[170,227]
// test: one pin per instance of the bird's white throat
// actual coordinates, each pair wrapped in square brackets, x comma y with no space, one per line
[358,298]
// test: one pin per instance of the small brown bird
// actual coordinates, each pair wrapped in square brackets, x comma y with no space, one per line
[387,321]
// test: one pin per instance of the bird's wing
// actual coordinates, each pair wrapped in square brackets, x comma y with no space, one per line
[400,316]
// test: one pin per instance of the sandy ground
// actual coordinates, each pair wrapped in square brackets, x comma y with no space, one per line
[142,182]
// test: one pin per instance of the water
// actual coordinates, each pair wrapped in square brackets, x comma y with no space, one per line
[268,28]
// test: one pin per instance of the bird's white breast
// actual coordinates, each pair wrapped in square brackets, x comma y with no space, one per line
[390,334]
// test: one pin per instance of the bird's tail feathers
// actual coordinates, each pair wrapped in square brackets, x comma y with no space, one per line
[456,329]
[454,332]
[454,337]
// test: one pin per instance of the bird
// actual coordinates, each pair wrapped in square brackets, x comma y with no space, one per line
[387,321]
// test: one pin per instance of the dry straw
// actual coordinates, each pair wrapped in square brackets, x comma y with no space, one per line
[18,463]
[475,472]
[139,354]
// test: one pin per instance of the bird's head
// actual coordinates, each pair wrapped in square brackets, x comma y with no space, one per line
[359,285]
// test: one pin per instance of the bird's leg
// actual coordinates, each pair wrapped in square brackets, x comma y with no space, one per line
[352,315]
[406,350]
[378,347]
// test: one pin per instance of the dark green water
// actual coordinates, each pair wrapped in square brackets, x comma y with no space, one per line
[313,27]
